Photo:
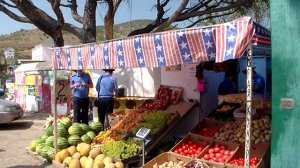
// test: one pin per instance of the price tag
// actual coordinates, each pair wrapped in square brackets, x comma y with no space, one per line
[143,133]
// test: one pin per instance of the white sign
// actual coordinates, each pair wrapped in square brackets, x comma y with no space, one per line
[9,54]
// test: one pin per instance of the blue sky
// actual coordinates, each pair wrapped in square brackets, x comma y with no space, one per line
[139,9]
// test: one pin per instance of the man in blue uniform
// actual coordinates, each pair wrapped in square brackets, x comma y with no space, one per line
[80,84]
[107,88]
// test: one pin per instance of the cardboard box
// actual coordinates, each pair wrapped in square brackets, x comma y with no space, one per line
[194,138]
[258,150]
[166,157]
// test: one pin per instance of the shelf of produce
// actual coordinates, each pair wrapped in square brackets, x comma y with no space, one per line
[208,127]
[181,109]
[166,157]
[192,141]
[258,150]
[218,153]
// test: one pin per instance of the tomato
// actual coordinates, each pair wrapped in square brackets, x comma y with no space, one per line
[211,155]
[206,157]
[218,155]
[226,152]
[210,151]
[216,149]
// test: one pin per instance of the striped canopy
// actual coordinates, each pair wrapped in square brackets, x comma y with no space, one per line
[218,42]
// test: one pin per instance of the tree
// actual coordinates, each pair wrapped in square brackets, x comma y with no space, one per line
[194,11]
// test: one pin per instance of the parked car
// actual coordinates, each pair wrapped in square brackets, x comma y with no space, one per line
[9,111]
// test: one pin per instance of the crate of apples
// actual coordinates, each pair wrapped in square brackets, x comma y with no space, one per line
[219,153]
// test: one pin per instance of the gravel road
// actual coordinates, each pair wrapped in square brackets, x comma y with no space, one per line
[15,137]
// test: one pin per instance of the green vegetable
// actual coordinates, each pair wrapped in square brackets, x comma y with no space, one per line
[154,121]
[121,149]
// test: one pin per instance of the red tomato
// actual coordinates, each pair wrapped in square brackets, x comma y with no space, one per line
[210,151]
[216,149]
[218,155]
[211,155]
[226,152]
[206,157]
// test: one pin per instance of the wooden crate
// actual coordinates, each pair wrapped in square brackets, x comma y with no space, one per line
[258,150]
[229,146]
[165,157]
[194,138]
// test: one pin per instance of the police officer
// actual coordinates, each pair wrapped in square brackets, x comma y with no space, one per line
[80,84]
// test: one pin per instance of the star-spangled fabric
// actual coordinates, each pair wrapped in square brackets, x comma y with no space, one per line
[186,46]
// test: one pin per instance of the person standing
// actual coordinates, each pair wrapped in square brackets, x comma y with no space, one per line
[107,88]
[80,84]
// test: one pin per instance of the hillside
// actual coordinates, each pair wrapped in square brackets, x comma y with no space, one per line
[24,40]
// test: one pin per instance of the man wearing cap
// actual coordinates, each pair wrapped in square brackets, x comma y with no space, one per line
[80,84]
[106,87]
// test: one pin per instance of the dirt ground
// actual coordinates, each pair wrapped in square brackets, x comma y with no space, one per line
[15,137]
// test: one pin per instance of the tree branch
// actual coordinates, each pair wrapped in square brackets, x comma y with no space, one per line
[75,14]
[211,17]
[13,15]
[7,4]
[174,16]
[72,29]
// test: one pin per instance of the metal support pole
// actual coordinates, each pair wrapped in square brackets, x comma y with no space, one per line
[248,107]
[54,110]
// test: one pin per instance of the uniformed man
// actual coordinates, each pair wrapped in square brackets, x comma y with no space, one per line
[80,84]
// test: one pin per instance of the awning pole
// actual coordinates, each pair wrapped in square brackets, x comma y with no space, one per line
[248,107]
[54,110]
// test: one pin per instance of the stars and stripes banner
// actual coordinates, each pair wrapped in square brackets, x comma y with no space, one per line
[219,42]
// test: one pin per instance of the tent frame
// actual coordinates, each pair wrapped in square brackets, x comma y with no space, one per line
[249,98]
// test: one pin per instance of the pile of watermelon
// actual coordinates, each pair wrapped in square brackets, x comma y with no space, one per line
[68,134]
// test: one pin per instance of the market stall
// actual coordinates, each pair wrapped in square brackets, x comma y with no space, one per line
[219,43]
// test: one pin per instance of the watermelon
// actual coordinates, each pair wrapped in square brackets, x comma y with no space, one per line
[44,151]
[62,131]
[40,140]
[91,134]
[86,139]
[51,154]
[50,141]
[49,130]
[44,137]
[39,148]
[96,127]
[85,128]
[62,143]
[75,130]
[74,139]
[66,122]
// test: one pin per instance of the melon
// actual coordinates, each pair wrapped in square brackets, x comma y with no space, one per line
[74,139]
[49,130]
[51,153]
[75,163]
[50,141]
[75,130]
[62,143]
[96,127]
[33,145]
[85,128]
[86,139]
[66,121]
[62,132]
[91,134]
[39,148]
[72,150]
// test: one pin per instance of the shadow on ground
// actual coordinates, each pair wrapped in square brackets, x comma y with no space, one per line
[20,125]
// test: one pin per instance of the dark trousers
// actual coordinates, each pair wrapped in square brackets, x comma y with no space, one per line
[81,110]
[106,106]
